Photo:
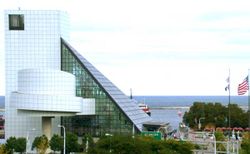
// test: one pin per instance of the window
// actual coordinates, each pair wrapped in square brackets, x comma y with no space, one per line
[16,22]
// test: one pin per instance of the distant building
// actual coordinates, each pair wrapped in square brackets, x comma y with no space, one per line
[2,99]
[49,83]
[2,120]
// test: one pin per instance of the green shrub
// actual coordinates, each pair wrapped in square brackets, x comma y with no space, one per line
[20,145]
[56,143]
[245,145]
[139,145]
[41,144]
[180,147]
[3,149]
[14,144]
[90,140]
[72,144]
[10,144]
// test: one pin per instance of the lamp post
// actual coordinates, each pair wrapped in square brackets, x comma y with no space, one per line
[87,144]
[64,139]
[110,135]
[133,131]
[27,138]
[199,124]
[214,143]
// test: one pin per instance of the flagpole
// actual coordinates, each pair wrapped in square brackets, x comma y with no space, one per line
[248,101]
[229,100]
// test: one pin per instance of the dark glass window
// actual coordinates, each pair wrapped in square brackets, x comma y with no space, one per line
[16,22]
[109,118]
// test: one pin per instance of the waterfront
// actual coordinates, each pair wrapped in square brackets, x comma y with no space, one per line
[168,115]
[166,108]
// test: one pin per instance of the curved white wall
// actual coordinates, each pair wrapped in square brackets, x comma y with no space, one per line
[46,82]
[51,91]
[48,103]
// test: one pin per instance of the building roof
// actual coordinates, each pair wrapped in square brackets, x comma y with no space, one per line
[155,123]
[128,106]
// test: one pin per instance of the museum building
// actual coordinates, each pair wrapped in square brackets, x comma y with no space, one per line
[48,82]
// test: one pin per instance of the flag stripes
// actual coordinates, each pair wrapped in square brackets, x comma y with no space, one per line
[243,87]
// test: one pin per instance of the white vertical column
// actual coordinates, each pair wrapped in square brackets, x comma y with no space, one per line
[47,126]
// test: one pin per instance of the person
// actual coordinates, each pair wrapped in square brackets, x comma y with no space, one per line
[175,136]
[165,136]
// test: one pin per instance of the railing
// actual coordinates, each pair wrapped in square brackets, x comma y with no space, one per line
[205,143]
[206,146]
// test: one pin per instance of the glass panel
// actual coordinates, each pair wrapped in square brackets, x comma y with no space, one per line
[16,22]
[109,118]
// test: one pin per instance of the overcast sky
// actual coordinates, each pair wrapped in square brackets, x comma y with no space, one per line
[168,47]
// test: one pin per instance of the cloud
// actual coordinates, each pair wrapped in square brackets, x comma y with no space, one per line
[156,47]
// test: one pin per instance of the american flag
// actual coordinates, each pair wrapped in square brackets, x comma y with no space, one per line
[243,87]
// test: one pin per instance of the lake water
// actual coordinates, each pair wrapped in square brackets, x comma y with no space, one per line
[166,108]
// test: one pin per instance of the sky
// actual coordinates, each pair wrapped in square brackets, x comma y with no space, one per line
[156,47]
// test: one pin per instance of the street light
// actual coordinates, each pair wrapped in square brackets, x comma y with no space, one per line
[133,131]
[110,135]
[64,139]
[87,144]
[27,138]
[199,124]
[214,143]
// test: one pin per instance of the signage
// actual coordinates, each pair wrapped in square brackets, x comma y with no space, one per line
[155,135]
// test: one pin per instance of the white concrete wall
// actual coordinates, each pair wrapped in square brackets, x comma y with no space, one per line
[87,107]
[48,103]
[37,46]
[46,82]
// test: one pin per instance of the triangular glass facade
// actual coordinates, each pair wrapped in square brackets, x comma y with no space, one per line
[115,112]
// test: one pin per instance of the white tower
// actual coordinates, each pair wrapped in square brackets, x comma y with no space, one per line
[32,53]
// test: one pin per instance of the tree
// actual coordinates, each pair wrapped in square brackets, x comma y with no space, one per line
[10,144]
[121,145]
[16,144]
[72,144]
[220,114]
[41,144]
[20,145]
[219,136]
[238,116]
[56,143]
[245,145]
[196,111]
[137,145]
[179,147]
[90,140]
[3,149]
[215,113]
